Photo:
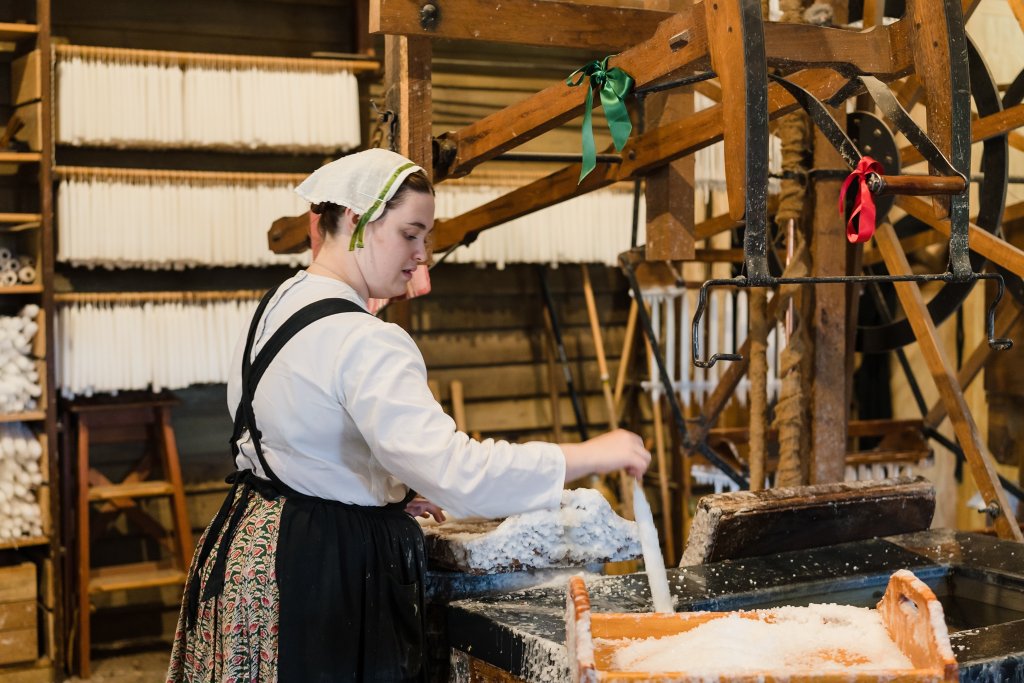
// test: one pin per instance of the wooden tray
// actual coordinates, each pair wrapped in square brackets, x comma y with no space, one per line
[910,611]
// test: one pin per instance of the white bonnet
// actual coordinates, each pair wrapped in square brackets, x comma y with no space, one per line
[364,182]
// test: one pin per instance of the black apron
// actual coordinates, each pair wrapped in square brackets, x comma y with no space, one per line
[351,577]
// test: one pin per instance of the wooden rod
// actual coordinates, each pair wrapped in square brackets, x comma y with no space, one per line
[156,297]
[216,60]
[625,481]
[153,174]
[978,458]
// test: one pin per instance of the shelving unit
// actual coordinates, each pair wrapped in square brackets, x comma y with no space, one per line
[26,226]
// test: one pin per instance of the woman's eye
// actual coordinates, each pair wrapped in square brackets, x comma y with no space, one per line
[410,237]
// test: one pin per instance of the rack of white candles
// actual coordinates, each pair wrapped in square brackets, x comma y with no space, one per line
[111,342]
[114,97]
[20,478]
[593,228]
[20,387]
[141,218]
[724,328]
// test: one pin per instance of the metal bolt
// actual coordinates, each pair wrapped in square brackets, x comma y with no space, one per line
[430,14]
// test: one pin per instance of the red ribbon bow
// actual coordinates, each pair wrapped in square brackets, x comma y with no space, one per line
[864,204]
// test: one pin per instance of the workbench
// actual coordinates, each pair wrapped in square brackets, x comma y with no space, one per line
[496,630]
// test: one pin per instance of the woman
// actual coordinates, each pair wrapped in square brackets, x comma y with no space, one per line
[313,569]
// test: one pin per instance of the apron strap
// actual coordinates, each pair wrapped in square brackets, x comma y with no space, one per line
[245,419]
[253,372]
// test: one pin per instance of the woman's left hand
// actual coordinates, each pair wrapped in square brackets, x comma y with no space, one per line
[421,507]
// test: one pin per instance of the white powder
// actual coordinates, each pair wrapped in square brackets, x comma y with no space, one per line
[653,562]
[583,531]
[783,641]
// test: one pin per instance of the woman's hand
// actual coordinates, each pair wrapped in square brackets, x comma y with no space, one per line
[421,507]
[615,450]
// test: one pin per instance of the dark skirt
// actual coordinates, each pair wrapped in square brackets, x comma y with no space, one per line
[315,591]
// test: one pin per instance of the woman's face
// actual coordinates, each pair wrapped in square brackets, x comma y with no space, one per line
[396,245]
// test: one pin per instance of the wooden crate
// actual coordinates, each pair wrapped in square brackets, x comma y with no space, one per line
[918,630]
[19,637]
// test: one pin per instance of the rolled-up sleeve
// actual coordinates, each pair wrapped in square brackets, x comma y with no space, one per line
[382,382]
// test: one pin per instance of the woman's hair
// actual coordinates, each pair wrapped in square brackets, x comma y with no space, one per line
[331,214]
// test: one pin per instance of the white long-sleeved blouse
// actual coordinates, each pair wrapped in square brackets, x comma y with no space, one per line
[345,414]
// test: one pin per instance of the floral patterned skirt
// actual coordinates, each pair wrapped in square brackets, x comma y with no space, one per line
[314,591]
[235,635]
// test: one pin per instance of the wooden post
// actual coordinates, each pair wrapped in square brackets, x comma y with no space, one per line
[669,188]
[828,406]
[407,67]
[985,475]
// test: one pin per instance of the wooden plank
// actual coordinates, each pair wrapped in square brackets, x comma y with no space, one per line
[544,23]
[669,190]
[1006,318]
[17,615]
[829,387]
[981,129]
[18,646]
[985,243]
[18,582]
[930,38]
[726,43]
[647,62]
[40,672]
[555,105]
[407,68]
[641,154]
[980,462]
[751,523]
[446,349]
[1017,6]
[485,382]
[517,415]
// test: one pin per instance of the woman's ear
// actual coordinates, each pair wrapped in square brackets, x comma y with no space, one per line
[349,221]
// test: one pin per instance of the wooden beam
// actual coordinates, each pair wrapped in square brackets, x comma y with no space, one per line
[643,153]
[882,51]
[680,42]
[559,103]
[407,67]
[1005,320]
[543,23]
[985,476]
[742,524]
[985,243]
[981,129]
[828,405]
[1017,6]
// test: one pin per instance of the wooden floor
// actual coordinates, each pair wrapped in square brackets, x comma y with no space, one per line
[139,667]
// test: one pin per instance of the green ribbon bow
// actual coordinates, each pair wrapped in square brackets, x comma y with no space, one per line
[614,84]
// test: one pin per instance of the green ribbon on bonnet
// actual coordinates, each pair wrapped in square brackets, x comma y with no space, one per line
[614,84]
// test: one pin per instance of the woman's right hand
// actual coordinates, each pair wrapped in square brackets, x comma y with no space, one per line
[618,449]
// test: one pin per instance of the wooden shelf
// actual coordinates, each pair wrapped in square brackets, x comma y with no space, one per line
[22,289]
[12,31]
[20,217]
[20,157]
[27,416]
[131,576]
[24,542]
[41,671]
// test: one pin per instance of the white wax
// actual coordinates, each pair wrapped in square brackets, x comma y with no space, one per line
[652,552]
